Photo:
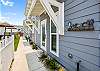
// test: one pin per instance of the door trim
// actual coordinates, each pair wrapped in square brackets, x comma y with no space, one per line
[44,21]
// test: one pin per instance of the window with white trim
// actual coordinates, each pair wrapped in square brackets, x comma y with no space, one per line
[54,39]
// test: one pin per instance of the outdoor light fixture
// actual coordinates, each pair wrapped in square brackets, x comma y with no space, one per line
[70,55]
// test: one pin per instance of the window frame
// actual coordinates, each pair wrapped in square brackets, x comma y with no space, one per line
[57,41]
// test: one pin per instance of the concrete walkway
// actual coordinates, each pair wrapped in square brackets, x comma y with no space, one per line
[26,59]
[32,58]
[20,62]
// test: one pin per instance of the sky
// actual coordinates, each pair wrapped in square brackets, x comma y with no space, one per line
[12,11]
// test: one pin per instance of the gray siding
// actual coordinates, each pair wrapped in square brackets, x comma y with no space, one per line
[37,38]
[84,46]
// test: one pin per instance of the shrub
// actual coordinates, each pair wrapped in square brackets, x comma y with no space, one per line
[43,57]
[34,46]
[26,38]
[31,42]
[52,64]
[49,62]
[16,41]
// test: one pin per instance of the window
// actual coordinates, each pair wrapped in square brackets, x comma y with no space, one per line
[54,39]
[43,35]
[53,43]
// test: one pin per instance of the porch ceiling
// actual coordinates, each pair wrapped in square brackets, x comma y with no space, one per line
[38,9]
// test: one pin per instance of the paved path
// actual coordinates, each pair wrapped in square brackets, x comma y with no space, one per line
[26,59]
[20,62]
[32,58]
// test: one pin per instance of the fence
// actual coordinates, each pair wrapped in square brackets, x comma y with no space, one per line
[6,53]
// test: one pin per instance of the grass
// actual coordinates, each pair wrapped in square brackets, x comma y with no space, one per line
[7,33]
[16,41]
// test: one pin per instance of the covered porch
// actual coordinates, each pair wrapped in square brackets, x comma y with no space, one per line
[53,8]
[47,18]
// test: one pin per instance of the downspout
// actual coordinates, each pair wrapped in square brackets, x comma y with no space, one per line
[78,65]
[77,62]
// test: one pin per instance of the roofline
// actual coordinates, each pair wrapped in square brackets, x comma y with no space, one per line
[11,28]
[6,25]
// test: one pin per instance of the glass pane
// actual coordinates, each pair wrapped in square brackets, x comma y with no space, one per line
[53,27]
[43,34]
[53,42]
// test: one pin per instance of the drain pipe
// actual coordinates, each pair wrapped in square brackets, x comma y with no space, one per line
[77,62]
[78,65]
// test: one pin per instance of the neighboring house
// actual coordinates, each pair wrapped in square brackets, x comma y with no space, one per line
[6,46]
[5,27]
[68,30]
[11,29]
[2,27]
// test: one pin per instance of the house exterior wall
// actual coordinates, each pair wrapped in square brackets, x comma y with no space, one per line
[37,38]
[85,45]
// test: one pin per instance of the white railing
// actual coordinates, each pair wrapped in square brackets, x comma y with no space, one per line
[6,41]
[6,53]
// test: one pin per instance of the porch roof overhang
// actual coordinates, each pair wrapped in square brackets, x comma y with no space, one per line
[34,7]
[27,23]
[37,7]
[28,4]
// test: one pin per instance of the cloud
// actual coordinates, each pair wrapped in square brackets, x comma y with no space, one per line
[10,13]
[5,19]
[8,20]
[11,21]
[7,3]
[2,18]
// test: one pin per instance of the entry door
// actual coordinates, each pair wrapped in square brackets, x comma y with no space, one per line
[43,34]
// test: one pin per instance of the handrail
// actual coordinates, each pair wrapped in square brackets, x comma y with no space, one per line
[6,42]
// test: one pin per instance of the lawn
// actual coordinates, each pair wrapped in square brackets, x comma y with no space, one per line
[16,41]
